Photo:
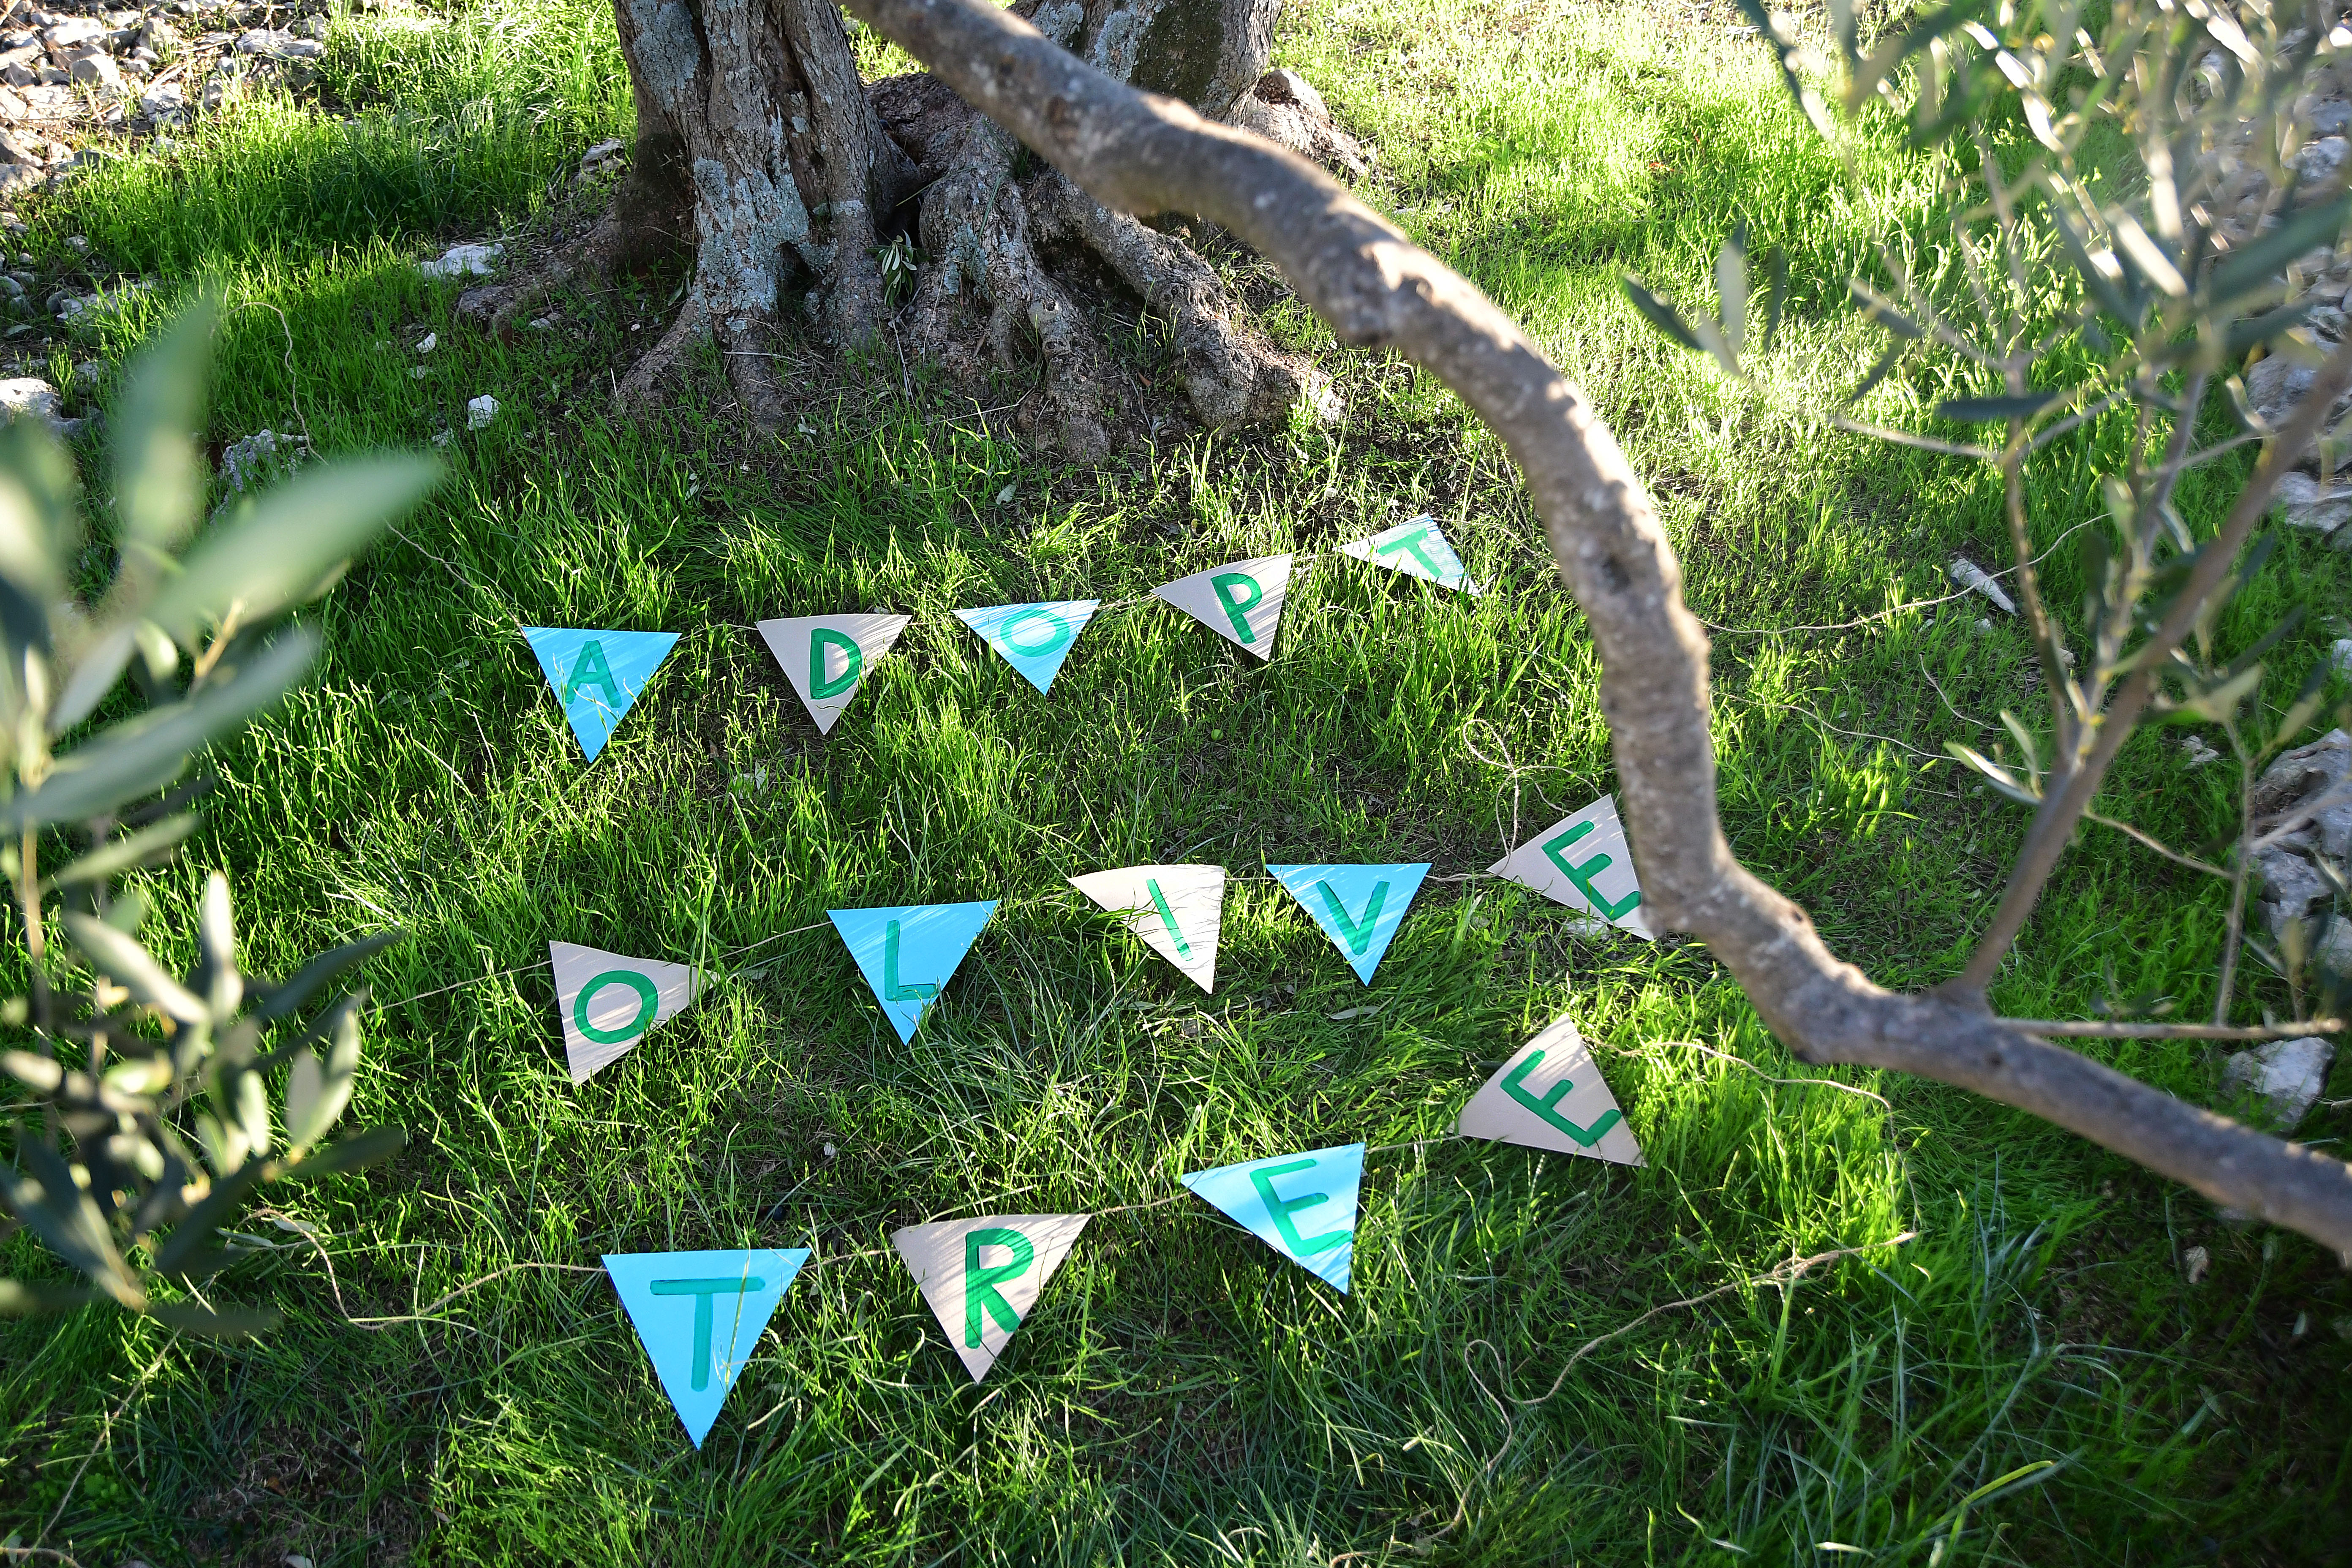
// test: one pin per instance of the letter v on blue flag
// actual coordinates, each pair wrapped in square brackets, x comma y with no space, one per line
[1303,1206]
[597,675]
[1033,638]
[1359,907]
[910,953]
[699,1316]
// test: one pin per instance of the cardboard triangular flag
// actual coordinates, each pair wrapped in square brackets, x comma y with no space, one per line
[1033,638]
[1178,910]
[825,656]
[909,953]
[981,1275]
[1240,601]
[597,675]
[1417,548]
[1302,1206]
[1582,861]
[699,1316]
[1550,1095]
[1359,907]
[609,1001]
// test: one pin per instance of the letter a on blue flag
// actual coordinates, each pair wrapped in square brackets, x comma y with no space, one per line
[597,675]
[1033,638]
[1302,1206]
[908,954]
[1359,907]
[699,1316]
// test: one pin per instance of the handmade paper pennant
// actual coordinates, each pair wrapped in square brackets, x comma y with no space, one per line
[1550,1095]
[597,675]
[609,1001]
[1417,548]
[1582,861]
[1240,601]
[981,1275]
[908,954]
[1033,638]
[1178,910]
[699,1316]
[1359,907]
[1302,1206]
[825,656]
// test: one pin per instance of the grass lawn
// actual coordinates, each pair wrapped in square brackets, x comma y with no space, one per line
[2029,1381]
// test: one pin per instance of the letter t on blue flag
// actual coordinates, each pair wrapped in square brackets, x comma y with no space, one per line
[1302,1206]
[699,1316]
[597,675]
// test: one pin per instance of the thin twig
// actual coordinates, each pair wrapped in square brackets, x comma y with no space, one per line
[2175,855]
[2094,1029]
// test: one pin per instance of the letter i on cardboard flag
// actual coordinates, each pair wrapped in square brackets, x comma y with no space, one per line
[1302,1206]
[1417,549]
[909,953]
[699,1316]
[825,656]
[597,675]
[1359,907]
[1240,601]
[1033,638]
[609,1001]
[1550,1095]
[1582,861]
[981,1275]
[1178,910]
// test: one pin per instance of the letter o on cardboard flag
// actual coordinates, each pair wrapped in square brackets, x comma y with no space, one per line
[1240,601]
[982,1276]
[1582,861]
[1359,907]
[1550,1095]
[1033,638]
[825,656]
[699,1316]
[1178,910]
[609,1001]
[1302,1206]
[909,953]
[597,675]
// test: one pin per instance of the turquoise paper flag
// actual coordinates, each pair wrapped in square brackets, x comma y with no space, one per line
[699,1316]
[1033,638]
[1302,1206]
[597,675]
[908,954]
[1359,907]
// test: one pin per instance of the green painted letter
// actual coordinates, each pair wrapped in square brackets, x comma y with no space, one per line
[1358,933]
[1586,1136]
[590,669]
[892,990]
[979,1284]
[852,660]
[1166,917]
[1237,610]
[1036,615]
[648,1004]
[702,1290]
[1410,545]
[1583,875]
[1282,1209]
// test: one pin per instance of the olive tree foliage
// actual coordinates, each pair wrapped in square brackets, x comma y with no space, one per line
[141,1116]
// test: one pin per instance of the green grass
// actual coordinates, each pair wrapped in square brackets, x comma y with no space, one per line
[1180,1393]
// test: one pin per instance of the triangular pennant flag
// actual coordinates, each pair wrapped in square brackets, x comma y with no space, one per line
[1302,1206]
[597,675]
[825,656]
[609,1001]
[1177,910]
[1240,601]
[908,954]
[1417,549]
[1550,1095]
[1033,638]
[699,1316]
[1359,907]
[1582,861]
[981,1275]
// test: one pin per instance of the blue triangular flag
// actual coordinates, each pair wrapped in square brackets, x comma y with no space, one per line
[908,954]
[1359,907]
[1302,1206]
[597,675]
[1033,638]
[699,1316]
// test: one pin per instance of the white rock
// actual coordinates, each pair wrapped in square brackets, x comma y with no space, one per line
[430,341]
[418,372]
[30,395]
[598,158]
[2319,159]
[97,70]
[463,261]
[481,411]
[2340,655]
[168,102]
[2197,1260]
[1974,578]
[2286,1076]
[2200,753]
[271,44]
[2301,501]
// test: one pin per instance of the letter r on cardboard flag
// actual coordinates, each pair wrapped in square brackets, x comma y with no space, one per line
[827,656]
[909,953]
[1302,1206]
[1550,1095]
[699,1316]
[607,1001]
[982,1276]
[597,675]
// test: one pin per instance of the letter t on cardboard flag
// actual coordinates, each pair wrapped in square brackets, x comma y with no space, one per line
[981,1275]
[1582,861]
[1178,910]
[1417,549]
[609,1001]
[1359,907]
[1302,1206]
[597,675]
[699,1316]
[908,954]
[825,656]
[1241,602]
[1033,638]
[1550,1095]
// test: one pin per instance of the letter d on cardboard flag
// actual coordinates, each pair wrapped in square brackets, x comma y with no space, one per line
[825,656]
[1582,861]
[1550,1095]
[1302,1206]
[609,1001]
[699,1316]
[908,954]
[1241,602]
[1359,907]
[1178,910]
[1033,638]
[597,675]
[981,1275]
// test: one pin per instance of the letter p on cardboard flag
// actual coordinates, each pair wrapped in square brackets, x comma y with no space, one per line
[608,1002]
[1582,861]
[982,1276]
[597,675]
[825,656]
[1302,1206]
[1241,602]
[699,1316]
[1550,1095]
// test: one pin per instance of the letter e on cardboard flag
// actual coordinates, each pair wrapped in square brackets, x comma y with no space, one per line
[1582,861]
[1303,1206]
[1550,1095]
